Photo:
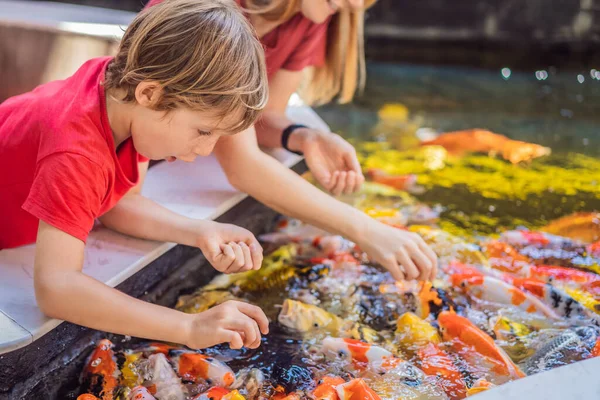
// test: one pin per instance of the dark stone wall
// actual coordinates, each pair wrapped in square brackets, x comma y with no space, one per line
[546,21]
[564,21]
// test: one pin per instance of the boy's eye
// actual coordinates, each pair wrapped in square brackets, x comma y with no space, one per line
[203,133]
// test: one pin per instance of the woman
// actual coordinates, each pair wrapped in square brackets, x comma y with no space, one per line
[314,47]
[404,254]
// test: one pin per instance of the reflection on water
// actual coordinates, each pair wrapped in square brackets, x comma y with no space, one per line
[559,112]
[482,194]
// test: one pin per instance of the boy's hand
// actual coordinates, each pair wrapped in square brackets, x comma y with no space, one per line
[229,248]
[237,323]
[404,254]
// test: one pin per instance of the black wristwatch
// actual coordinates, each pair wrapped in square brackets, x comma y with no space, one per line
[285,137]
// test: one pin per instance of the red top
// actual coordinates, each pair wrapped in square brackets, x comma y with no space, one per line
[294,45]
[58,161]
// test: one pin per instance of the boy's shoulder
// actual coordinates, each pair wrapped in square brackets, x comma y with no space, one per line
[63,116]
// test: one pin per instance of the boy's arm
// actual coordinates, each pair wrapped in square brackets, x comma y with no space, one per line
[248,169]
[64,292]
[227,247]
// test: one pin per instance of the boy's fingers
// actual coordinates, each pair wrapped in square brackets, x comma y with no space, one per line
[227,257]
[256,314]
[238,263]
[257,255]
[247,257]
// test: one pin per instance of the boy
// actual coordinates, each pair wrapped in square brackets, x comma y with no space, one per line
[187,72]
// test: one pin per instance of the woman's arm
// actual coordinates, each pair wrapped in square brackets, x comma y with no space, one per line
[330,158]
[250,170]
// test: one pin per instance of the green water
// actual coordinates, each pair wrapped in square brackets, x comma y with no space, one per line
[481,194]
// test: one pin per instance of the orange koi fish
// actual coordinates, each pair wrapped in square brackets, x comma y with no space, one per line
[356,389]
[484,141]
[463,332]
[326,388]
[398,182]
[192,366]
[140,393]
[101,370]
[436,362]
[580,226]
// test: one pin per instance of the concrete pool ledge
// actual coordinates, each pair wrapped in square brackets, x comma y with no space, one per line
[197,190]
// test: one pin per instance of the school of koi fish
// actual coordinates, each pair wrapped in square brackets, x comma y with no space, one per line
[504,306]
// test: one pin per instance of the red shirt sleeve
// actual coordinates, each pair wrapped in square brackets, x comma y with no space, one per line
[67,193]
[311,51]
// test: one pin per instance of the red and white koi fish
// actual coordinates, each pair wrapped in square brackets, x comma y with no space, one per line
[360,354]
[561,302]
[164,380]
[492,289]
[193,367]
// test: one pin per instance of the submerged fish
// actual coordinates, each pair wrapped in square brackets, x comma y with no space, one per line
[398,182]
[455,327]
[494,290]
[513,337]
[308,318]
[436,362]
[570,346]
[164,379]
[325,389]
[561,302]
[140,393]
[87,396]
[356,389]
[503,257]
[100,374]
[360,354]
[255,280]
[581,226]
[414,332]
[483,141]
[218,393]
[203,300]
[192,367]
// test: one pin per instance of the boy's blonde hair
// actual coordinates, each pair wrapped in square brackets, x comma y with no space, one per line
[203,53]
[344,70]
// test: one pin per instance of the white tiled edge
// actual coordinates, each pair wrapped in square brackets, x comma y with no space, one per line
[197,190]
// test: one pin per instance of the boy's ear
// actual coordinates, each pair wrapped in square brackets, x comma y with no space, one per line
[148,93]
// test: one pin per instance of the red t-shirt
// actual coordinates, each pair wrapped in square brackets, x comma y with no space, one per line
[294,45]
[58,161]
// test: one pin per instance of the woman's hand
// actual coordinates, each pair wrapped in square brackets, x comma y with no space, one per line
[404,254]
[330,158]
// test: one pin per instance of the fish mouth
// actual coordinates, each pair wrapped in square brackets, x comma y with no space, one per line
[286,311]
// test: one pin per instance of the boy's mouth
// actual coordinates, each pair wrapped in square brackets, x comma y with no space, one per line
[171,159]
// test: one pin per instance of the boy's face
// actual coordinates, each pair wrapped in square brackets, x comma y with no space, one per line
[319,10]
[181,134]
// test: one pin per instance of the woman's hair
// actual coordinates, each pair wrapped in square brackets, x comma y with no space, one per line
[344,70]
[203,53]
